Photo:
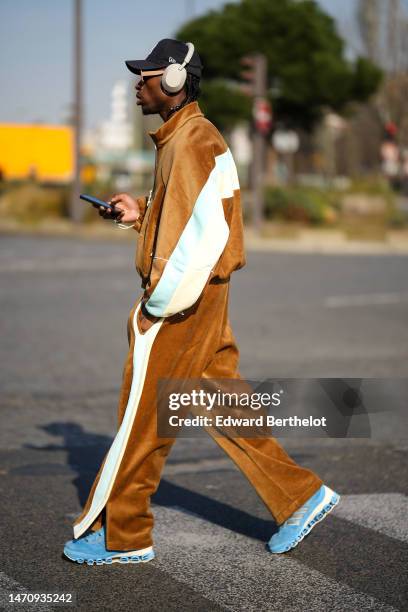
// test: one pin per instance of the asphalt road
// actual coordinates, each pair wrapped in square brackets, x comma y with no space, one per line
[64,305]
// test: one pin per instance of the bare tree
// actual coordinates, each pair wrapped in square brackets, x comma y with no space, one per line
[383,26]
[384,31]
[368,15]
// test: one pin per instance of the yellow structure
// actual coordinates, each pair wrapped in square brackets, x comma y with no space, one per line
[44,152]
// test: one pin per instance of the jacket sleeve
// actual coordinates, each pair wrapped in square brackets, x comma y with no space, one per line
[142,202]
[193,231]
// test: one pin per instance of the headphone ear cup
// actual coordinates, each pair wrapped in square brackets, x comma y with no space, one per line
[173,78]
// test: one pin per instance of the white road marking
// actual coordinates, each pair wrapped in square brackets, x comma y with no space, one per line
[384,512]
[238,573]
[8,585]
[368,299]
[108,262]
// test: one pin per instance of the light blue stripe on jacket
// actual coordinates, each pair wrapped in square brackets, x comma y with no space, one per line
[199,246]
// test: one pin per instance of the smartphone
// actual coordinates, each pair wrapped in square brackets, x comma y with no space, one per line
[93,200]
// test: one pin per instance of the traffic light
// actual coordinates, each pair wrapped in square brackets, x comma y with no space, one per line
[256,76]
[249,76]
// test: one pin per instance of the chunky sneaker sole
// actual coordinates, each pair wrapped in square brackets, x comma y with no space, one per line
[141,556]
[90,549]
[319,512]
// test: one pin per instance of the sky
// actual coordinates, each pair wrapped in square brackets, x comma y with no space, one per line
[36,50]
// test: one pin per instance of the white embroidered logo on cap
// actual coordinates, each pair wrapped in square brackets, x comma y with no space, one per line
[172,60]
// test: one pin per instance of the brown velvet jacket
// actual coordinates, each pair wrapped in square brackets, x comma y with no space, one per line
[191,231]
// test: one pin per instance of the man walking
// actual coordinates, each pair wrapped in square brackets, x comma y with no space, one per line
[190,241]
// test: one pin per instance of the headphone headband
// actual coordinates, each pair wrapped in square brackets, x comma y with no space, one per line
[188,56]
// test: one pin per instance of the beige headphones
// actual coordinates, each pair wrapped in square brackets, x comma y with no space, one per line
[174,76]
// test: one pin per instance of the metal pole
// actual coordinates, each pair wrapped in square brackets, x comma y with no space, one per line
[75,208]
[259,146]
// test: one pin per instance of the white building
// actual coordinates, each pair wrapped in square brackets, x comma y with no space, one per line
[116,134]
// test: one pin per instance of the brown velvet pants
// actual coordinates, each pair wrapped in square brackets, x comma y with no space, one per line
[199,344]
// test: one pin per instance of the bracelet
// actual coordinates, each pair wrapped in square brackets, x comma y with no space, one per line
[122,225]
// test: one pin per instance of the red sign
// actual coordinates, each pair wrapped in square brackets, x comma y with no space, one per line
[263,115]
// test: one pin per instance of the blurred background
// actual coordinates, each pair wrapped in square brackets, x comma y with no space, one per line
[309,95]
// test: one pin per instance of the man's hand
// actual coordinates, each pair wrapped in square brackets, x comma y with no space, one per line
[126,209]
[145,320]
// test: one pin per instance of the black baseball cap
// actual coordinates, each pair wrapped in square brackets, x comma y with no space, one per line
[166,52]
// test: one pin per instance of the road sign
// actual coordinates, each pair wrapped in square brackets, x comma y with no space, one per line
[262,112]
[285,141]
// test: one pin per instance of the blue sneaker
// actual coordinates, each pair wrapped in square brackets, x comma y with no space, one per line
[297,526]
[91,549]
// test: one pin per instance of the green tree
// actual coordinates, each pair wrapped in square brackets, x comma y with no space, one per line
[305,59]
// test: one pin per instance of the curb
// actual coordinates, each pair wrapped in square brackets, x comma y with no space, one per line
[307,241]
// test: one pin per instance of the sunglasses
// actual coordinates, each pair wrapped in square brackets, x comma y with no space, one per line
[146,74]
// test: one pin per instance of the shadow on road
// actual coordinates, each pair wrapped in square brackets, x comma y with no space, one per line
[339,549]
[86,451]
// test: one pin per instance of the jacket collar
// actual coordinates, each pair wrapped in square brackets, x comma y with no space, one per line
[179,118]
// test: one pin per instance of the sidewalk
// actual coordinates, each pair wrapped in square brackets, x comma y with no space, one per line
[291,240]
[329,241]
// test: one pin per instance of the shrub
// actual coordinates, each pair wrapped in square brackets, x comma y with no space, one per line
[305,205]
[397,219]
[31,203]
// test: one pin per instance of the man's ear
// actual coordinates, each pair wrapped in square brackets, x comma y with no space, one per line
[162,88]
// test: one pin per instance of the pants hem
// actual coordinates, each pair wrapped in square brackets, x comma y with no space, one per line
[128,547]
[298,502]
